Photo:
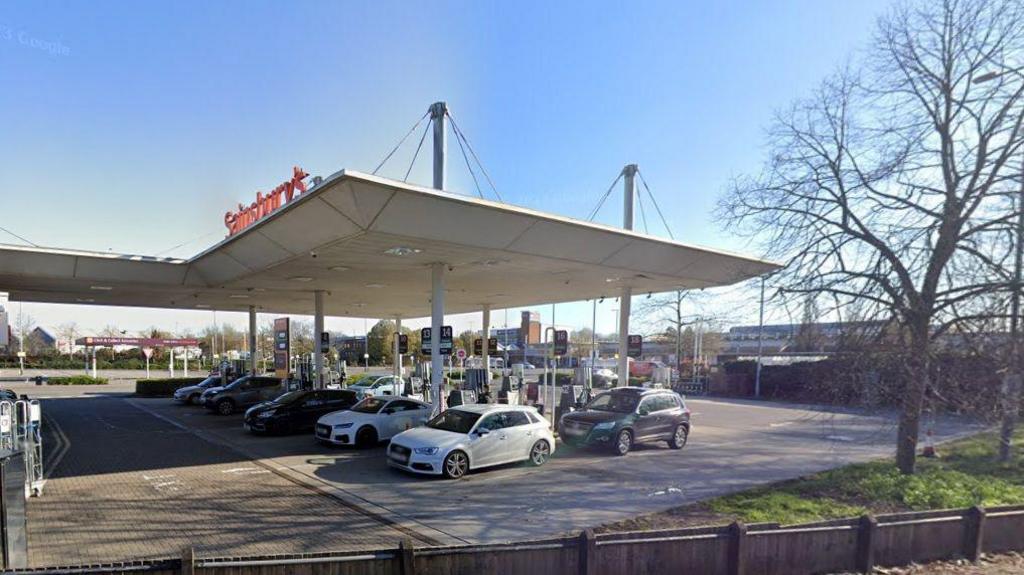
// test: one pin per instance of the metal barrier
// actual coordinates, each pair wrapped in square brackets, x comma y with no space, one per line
[28,433]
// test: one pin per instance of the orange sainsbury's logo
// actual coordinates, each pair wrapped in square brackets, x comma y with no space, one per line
[264,205]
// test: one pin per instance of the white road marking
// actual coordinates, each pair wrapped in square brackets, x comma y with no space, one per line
[781,423]
[155,477]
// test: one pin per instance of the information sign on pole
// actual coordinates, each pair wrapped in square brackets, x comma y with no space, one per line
[282,346]
[635,346]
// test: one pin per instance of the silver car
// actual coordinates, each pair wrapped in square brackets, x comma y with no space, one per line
[190,395]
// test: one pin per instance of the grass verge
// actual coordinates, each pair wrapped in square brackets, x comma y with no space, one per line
[965,473]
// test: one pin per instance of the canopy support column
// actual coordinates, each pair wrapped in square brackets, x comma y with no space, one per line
[397,355]
[628,200]
[436,322]
[486,347]
[252,340]
[318,328]
[438,115]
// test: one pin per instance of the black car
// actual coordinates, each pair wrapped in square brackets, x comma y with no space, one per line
[625,416]
[297,410]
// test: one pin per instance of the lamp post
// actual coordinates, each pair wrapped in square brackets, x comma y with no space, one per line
[1012,380]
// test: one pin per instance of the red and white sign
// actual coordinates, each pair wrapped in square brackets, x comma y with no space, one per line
[265,205]
[148,352]
[460,353]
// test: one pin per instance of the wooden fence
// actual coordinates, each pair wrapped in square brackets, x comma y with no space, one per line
[763,549]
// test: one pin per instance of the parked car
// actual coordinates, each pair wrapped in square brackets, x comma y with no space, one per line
[625,416]
[524,365]
[472,437]
[604,377]
[372,420]
[244,392]
[378,386]
[297,410]
[190,395]
[10,395]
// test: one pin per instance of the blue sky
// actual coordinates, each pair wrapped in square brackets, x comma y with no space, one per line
[134,126]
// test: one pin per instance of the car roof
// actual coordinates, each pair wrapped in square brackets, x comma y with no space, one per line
[638,390]
[482,408]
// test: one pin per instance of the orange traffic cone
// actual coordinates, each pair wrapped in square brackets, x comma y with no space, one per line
[929,445]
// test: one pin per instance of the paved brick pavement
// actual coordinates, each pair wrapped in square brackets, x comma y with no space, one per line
[132,486]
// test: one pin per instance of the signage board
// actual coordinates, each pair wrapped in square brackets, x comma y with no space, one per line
[478,345]
[265,205]
[403,344]
[460,353]
[138,341]
[634,346]
[148,352]
[282,346]
[446,340]
[325,342]
[561,342]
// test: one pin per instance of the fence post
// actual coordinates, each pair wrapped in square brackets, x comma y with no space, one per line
[737,540]
[407,561]
[188,561]
[588,552]
[867,526]
[974,526]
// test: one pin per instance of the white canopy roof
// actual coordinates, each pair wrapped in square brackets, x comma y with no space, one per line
[340,236]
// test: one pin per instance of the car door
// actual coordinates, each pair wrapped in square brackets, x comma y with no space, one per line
[646,425]
[521,436]
[489,448]
[335,400]
[247,393]
[269,388]
[310,408]
[397,416]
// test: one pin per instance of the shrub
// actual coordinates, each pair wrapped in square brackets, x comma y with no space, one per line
[77,380]
[163,387]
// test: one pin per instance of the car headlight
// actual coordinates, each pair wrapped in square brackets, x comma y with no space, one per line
[266,414]
[425,450]
[343,425]
[605,426]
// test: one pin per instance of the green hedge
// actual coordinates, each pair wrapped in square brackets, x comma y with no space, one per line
[163,387]
[76,380]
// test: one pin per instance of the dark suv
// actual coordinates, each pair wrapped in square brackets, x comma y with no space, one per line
[243,392]
[626,416]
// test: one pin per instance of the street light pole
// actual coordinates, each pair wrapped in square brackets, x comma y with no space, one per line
[1012,380]
[760,344]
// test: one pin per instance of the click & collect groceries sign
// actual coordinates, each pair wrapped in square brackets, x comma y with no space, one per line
[264,205]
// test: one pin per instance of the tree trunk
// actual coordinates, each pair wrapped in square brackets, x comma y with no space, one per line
[918,380]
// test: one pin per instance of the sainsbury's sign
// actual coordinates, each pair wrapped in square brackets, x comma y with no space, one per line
[264,205]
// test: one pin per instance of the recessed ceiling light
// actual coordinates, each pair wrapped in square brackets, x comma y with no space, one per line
[85,300]
[101,288]
[610,280]
[402,251]
[202,305]
[301,279]
[238,296]
[375,286]
[359,305]
[338,268]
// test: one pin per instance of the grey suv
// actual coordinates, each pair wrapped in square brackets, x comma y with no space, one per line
[243,392]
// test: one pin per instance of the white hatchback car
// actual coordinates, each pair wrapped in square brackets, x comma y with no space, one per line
[372,420]
[473,436]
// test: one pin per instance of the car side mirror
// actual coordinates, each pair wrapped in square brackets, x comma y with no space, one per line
[387,411]
[644,411]
[482,431]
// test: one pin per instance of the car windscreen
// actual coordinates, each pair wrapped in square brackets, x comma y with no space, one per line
[290,397]
[369,405]
[614,402]
[209,382]
[237,383]
[454,420]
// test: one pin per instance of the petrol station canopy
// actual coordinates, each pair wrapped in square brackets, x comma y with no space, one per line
[369,244]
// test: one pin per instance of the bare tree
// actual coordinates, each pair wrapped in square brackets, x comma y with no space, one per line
[666,310]
[888,187]
[67,332]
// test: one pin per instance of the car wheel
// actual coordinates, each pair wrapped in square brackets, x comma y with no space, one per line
[623,442]
[366,437]
[455,465]
[193,399]
[678,437]
[539,453]
[225,407]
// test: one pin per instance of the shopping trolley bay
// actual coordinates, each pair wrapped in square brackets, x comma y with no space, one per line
[132,478]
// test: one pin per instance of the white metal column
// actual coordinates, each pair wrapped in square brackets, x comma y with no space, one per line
[629,197]
[486,346]
[398,356]
[318,328]
[436,321]
[252,340]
